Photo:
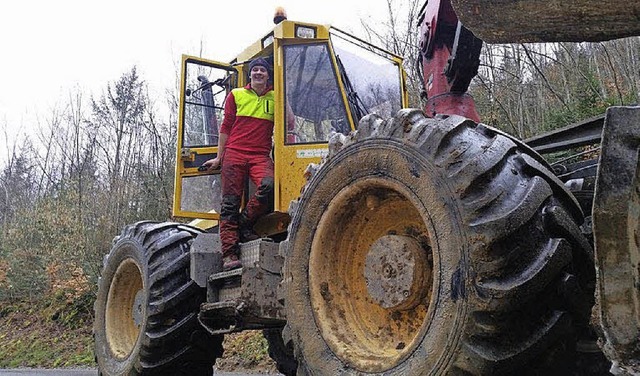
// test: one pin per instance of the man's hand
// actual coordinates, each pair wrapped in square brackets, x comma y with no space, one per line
[212,164]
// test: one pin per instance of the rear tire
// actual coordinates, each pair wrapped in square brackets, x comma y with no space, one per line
[147,306]
[500,276]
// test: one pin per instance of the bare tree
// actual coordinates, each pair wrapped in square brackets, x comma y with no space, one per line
[399,34]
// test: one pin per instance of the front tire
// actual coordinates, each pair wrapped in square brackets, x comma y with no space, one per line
[147,306]
[435,246]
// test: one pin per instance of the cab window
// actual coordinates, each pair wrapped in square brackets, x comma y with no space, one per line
[373,76]
[315,104]
[206,88]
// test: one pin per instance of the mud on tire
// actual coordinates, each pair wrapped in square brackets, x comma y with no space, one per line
[147,305]
[435,246]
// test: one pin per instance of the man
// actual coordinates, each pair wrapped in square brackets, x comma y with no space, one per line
[243,152]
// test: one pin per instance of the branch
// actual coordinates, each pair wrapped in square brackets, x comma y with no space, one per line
[502,107]
[595,90]
[613,70]
[544,78]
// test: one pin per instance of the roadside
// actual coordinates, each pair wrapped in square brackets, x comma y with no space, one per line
[88,372]
[59,335]
[47,372]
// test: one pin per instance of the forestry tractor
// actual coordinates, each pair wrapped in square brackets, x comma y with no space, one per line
[402,241]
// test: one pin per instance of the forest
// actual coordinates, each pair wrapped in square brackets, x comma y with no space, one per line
[102,160]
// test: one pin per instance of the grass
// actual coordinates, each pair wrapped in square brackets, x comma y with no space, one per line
[246,351]
[45,336]
[58,334]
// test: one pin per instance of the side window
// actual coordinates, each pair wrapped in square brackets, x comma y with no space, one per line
[315,105]
[374,78]
[206,88]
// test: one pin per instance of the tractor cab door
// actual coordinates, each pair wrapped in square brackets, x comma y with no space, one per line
[204,85]
[314,105]
[326,85]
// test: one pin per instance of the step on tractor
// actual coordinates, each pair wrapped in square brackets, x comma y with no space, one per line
[402,241]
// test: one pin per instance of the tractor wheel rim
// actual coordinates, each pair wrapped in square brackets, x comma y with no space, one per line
[393,272]
[371,274]
[124,309]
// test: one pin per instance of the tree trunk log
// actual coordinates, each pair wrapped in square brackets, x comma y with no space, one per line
[514,21]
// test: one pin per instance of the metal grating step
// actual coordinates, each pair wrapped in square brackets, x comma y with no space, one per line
[225,275]
[228,306]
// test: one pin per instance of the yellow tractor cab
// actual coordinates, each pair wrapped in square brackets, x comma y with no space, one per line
[324,80]
[164,301]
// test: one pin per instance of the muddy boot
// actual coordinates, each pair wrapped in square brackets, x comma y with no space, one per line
[246,232]
[247,235]
[231,261]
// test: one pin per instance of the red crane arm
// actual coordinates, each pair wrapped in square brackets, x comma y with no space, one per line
[450,57]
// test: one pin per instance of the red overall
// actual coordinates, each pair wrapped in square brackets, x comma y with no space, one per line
[248,122]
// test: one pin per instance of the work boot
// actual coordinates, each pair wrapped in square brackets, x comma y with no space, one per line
[230,262]
[247,234]
[245,231]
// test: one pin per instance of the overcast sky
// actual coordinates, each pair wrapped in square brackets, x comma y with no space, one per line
[49,47]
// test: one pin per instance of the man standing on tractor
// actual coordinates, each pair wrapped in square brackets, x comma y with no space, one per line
[244,152]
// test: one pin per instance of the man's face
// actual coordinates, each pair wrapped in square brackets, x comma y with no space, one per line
[259,75]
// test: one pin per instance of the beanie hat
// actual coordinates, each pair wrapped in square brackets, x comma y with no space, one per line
[261,62]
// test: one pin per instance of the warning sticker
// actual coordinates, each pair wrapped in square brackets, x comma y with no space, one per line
[312,153]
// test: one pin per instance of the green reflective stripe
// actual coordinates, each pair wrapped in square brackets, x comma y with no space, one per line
[248,103]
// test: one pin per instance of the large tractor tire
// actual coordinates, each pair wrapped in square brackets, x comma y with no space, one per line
[435,246]
[147,306]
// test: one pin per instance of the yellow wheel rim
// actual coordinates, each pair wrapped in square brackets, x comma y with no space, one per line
[370,275]
[125,309]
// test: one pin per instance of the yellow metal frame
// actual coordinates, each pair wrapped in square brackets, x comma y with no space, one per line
[288,168]
[289,172]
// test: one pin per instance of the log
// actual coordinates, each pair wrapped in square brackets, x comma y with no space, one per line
[515,21]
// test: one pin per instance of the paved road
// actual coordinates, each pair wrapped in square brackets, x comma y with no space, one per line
[79,372]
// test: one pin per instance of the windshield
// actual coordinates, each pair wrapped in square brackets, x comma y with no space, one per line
[374,77]
[315,105]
